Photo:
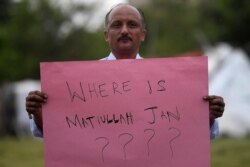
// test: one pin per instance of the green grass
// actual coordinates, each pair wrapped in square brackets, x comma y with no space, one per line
[28,152]
[230,152]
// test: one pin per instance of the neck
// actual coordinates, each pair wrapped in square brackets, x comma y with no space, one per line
[125,55]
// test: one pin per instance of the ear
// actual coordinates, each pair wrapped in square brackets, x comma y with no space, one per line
[106,36]
[144,34]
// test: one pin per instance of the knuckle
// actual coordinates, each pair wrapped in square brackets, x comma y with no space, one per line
[31,92]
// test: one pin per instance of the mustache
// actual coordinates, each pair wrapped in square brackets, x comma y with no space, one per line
[124,37]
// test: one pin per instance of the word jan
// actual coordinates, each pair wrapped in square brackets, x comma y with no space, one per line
[155,112]
[88,91]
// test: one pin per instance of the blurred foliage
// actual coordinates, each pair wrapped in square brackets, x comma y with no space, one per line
[179,26]
[171,26]
[226,20]
[35,31]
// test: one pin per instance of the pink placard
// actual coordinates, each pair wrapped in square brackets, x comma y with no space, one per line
[126,113]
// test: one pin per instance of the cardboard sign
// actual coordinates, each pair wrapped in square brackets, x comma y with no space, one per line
[126,113]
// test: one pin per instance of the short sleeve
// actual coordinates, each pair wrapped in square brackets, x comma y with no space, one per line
[34,129]
[214,130]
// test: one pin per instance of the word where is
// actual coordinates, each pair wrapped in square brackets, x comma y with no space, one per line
[88,91]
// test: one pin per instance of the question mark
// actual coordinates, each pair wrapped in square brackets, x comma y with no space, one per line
[151,137]
[125,144]
[107,143]
[175,137]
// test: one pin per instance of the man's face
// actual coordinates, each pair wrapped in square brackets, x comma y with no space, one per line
[124,31]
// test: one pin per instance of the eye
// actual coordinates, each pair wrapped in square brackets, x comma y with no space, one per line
[116,24]
[133,24]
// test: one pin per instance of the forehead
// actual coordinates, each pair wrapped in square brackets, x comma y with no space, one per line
[124,12]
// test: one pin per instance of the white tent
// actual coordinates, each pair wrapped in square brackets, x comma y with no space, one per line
[21,90]
[229,76]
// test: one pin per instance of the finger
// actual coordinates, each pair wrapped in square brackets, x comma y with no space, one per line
[217,101]
[33,104]
[216,114]
[38,93]
[211,97]
[36,97]
[32,110]
[33,107]
[216,108]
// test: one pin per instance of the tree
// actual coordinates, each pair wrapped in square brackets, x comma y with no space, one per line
[171,28]
[227,21]
[4,12]
[33,33]
[173,25]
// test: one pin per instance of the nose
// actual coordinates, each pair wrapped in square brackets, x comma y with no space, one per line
[124,29]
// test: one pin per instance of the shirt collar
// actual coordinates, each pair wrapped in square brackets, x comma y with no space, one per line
[112,57]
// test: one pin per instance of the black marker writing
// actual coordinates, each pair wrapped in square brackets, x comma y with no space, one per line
[153,113]
[97,90]
[126,118]
[130,138]
[125,86]
[178,133]
[75,123]
[161,84]
[168,115]
[150,138]
[85,122]
[115,88]
[92,121]
[102,90]
[150,88]
[104,146]
[92,90]
[74,94]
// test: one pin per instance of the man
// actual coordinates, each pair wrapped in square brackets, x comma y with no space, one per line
[124,31]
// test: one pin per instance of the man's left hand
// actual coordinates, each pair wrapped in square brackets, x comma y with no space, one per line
[216,107]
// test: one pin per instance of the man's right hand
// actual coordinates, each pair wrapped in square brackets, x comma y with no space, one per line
[34,102]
